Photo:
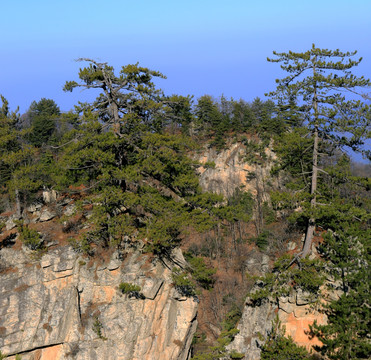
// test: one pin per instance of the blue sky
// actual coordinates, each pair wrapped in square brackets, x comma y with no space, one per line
[203,47]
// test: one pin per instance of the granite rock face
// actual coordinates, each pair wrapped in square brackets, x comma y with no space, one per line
[60,307]
[231,170]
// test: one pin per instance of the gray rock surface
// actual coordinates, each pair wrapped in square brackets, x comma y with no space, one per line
[47,215]
[66,307]
[255,321]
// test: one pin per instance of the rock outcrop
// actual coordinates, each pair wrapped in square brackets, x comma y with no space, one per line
[230,170]
[60,307]
[295,313]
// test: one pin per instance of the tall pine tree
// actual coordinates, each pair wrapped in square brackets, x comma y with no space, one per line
[316,89]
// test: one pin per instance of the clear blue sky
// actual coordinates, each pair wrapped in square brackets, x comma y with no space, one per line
[203,47]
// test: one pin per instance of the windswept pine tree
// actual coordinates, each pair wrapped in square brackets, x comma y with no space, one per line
[139,176]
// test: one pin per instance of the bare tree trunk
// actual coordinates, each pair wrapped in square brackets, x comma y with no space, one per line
[239,229]
[18,204]
[259,221]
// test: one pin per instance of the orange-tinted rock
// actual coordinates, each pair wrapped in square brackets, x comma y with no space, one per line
[64,309]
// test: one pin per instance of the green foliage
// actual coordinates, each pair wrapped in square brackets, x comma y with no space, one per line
[231,318]
[346,334]
[254,153]
[43,115]
[284,279]
[218,119]
[280,347]
[30,237]
[183,283]
[177,115]
[131,290]
[209,165]
[240,206]
[262,240]
[198,338]
[202,273]
[19,172]
[127,156]
[347,251]
[150,189]
[268,213]
[97,328]
[345,213]
[318,80]
[225,338]
[234,355]
[81,245]
[132,98]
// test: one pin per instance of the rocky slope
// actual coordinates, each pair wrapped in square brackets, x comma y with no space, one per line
[60,307]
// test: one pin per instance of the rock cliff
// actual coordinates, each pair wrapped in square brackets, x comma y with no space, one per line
[60,307]
[295,314]
[230,170]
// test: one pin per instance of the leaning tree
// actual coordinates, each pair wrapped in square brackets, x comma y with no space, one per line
[322,92]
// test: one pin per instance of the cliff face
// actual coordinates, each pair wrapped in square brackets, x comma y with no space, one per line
[59,307]
[64,306]
[231,170]
[295,314]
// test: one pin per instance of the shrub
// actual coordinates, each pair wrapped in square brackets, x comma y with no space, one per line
[227,335]
[131,290]
[284,279]
[97,328]
[81,246]
[209,165]
[30,237]
[262,241]
[236,355]
[182,283]
[201,272]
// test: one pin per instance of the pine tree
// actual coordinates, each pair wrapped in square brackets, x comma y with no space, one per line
[18,159]
[138,177]
[346,250]
[127,101]
[314,88]
[43,115]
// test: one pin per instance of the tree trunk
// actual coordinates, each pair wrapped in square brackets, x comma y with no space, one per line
[18,204]
[312,221]
[259,222]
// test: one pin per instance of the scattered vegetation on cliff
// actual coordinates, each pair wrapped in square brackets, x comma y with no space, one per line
[125,160]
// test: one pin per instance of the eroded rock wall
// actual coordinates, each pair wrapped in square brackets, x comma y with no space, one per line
[63,307]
